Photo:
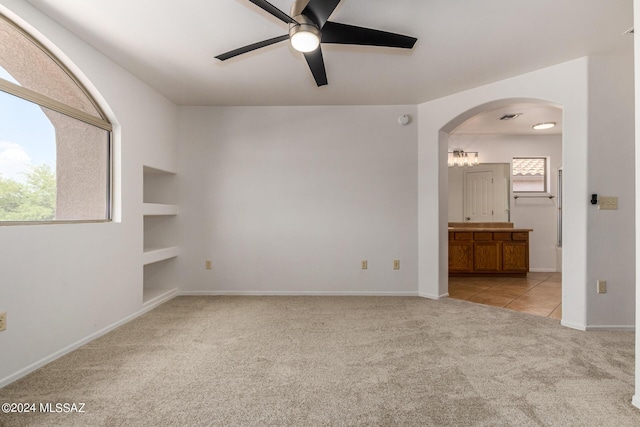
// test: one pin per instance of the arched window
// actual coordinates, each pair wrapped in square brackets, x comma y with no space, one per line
[55,141]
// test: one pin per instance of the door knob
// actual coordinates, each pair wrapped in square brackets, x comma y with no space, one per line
[468,218]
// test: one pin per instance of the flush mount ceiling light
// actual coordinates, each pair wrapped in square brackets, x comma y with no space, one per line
[545,125]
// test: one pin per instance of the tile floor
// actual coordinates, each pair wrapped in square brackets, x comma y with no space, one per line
[538,293]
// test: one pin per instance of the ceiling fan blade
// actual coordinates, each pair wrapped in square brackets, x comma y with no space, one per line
[316,65]
[249,48]
[320,10]
[334,32]
[268,7]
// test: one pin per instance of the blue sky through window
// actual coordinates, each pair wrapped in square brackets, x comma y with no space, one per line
[5,75]
[27,137]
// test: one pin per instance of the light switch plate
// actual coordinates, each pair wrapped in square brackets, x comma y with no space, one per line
[607,203]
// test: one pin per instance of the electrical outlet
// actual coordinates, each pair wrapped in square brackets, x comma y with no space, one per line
[3,321]
[365,264]
[396,264]
[602,286]
[207,265]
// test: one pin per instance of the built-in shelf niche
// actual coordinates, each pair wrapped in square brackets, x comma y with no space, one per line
[159,210]
[160,280]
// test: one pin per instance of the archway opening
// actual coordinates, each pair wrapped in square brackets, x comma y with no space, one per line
[520,169]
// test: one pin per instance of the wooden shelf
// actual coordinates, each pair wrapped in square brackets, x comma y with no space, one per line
[157,209]
[152,255]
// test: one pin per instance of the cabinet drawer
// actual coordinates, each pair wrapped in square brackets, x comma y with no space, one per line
[481,236]
[521,236]
[501,236]
[467,235]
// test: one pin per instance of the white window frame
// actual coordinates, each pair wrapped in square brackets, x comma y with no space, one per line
[546,177]
[54,105]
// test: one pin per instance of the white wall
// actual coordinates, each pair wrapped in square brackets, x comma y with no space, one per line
[291,199]
[63,284]
[540,214]
[610,240]
[572,85]
[636,20]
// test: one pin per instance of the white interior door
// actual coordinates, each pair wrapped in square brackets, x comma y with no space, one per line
[478,196]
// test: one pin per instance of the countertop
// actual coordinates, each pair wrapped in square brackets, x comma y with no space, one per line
[491,229]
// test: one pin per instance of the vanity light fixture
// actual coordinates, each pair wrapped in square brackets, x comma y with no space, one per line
[545,125]
[461,158]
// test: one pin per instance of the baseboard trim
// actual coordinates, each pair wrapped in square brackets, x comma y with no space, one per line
[635,401]
[431,296]
[160,299]
[298,293]
[576,326]
[542,270]
[612,328]
[619,328]
[68,349]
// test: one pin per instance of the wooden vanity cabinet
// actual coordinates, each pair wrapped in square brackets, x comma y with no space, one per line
[488,252]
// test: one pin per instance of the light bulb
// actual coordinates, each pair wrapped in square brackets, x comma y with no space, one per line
[305,41]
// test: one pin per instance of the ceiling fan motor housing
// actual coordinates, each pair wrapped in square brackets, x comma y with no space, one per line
[297,7]
[305,25]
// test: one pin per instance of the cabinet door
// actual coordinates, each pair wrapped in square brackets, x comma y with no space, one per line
[460,256]
[486,256]
[515,257]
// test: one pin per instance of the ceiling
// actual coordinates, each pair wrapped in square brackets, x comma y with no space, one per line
[529,114]
[461,44]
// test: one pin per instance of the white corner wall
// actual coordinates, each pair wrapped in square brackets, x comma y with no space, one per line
[610,242]
[62,285]
[569,85]
[289,200]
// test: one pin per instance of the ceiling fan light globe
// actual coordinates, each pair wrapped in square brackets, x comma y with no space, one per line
[305,41]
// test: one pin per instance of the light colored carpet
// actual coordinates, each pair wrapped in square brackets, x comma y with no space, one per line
[236,361]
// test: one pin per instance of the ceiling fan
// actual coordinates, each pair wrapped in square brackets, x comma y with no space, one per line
[309,26]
